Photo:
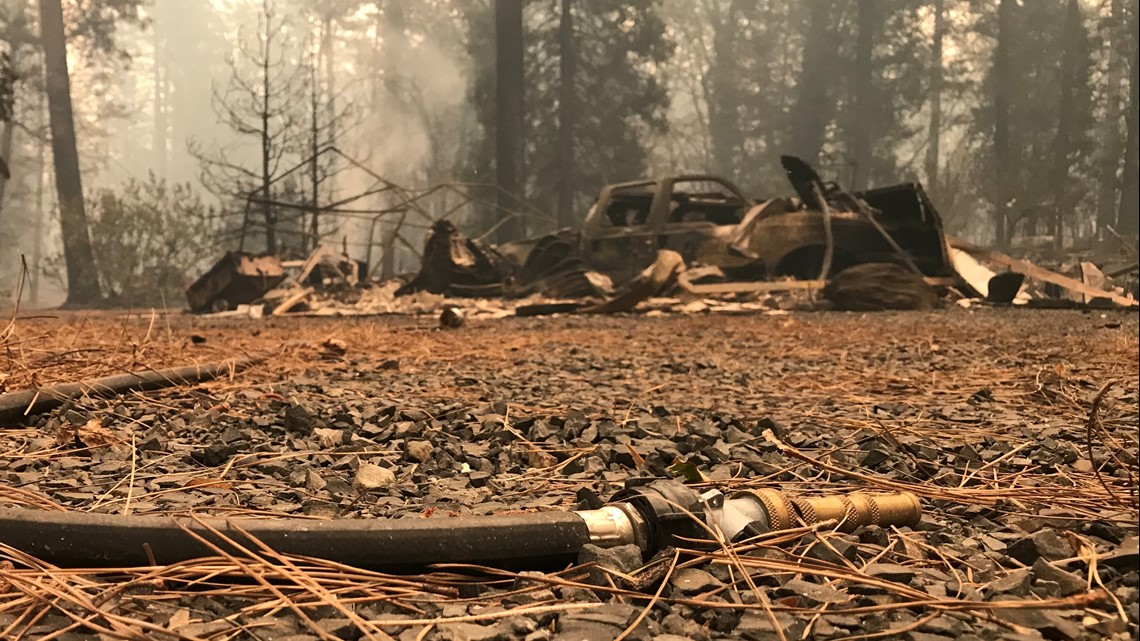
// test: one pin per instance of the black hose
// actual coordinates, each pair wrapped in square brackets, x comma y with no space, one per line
[16,406]
[540,540]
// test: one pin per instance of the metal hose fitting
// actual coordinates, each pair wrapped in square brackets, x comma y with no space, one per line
[661,514]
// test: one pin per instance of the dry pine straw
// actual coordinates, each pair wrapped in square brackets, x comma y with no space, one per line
[112,601]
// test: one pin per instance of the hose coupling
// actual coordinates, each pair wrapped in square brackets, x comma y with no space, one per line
[664,513]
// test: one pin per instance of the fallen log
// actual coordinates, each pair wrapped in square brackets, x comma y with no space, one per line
[15,406]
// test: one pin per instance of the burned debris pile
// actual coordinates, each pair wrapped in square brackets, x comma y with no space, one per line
[239,278]
[459,266]
[879,286]
[690,243]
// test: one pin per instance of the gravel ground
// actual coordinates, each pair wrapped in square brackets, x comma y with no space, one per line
[985,413]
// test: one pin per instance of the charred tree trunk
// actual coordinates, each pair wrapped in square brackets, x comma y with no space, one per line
[1128,215]
[328,48]
[724,98]
[934,133]
[82,279]
[1111,150]
[567,116]
[161,128]
[509,84]
[314,235]
[267,213]
[1002,171]
[388,65]
[812,106]
[38,226]
[862,118]
[1062,147]
[6,158]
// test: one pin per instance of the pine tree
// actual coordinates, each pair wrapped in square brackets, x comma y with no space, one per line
[618,98]
[1038,113]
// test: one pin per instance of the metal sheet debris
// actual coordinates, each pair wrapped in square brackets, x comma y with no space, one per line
[238,278]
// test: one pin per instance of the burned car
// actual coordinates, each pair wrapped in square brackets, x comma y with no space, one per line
[708,220]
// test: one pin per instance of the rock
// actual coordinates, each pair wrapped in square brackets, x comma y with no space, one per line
[470,632]
[320,509]
[517,626]
[576,630]
[1045,543]
[844,544]
[1125,556]
[336,626]
[540,459]
[623,558]
[603,622]
[205,629]
[1016,583]
[214,455]
[419,451]
[616,614]
[314,482]
[479,479]
[756,626]
[152,443]
[915,635]
[814,593]
[329,438]
[1067,583]
[693,581]
[300,420]
[873,458]
[1050,624]
[944,625]
[676,625]
[890,572]
[373,477]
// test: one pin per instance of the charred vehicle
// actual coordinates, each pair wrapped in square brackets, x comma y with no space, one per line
[708,220]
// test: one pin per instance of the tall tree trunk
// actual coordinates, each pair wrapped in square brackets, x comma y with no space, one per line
[567,117]
[1063,145]
[934,133]
[267,212]
[161,128]
[812,111]
[37,229]
[509,87]
[1128,215]
[314,235]
[1110,149]
[328,49]
[38,226]
[388,65]
[1002,172]
[724,91]
[862,119]
[82,279]
[6,157]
